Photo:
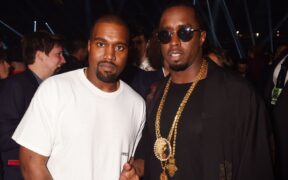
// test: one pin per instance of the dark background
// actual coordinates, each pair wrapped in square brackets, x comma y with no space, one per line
[70,17]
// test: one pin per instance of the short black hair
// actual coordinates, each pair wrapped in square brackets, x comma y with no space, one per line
[110,18]
[185,3]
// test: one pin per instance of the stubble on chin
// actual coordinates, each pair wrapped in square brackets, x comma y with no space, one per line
[107,77]
[178,67]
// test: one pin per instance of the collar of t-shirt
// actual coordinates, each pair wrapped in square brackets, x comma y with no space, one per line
[37,78]
[277,70]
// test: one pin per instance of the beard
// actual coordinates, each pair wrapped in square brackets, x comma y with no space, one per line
[106,76]
[178,67]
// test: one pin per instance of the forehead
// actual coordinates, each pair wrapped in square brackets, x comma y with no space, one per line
[110,31]
[56,47]
[177,16]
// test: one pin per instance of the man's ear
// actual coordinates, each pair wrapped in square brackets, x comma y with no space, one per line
[88,46]
[202,37]
[39,55]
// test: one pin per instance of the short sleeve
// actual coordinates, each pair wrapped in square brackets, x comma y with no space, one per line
[35,130]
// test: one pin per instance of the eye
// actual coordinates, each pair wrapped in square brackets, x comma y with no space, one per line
[60,53]
[120,47]
[100,44]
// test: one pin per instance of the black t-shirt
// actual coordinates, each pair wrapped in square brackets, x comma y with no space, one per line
[188,154]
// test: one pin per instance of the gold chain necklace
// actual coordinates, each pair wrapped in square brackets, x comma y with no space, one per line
[162,147]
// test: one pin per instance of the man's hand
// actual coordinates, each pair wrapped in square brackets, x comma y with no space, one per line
[128,173]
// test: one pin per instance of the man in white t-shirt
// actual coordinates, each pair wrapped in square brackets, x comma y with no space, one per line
[84,124]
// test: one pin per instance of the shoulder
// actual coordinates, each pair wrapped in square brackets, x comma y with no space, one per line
[21,78]
[63,79]
[68,75]
[57,86]
[131,93]
[230,93]
[57,90]
[19,82]
[228,79]
[230,89]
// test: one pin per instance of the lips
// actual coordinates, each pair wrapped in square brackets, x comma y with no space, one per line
[175,55]
[107,66]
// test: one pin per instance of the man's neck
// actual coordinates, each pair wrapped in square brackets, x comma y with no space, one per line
[41,73]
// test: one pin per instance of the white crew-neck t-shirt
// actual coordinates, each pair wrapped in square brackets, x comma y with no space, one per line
[88,134]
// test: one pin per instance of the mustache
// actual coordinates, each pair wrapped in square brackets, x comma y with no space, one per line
[106,62]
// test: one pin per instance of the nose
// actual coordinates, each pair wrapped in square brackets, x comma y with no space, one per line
[62,61]
[175,39]
[109,54]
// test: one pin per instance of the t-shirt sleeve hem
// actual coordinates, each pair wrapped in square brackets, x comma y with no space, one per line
[32,147]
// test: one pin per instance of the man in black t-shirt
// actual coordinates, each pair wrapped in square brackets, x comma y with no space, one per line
[204,123]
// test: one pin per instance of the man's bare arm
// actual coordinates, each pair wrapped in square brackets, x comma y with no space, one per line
[33,165]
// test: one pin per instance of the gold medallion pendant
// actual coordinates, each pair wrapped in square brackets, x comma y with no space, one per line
[163,176]
[162,149]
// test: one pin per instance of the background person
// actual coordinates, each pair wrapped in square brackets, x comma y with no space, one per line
[43,55]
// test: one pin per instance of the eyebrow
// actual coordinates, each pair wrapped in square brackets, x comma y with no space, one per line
[104,40]
[98,39]
[180,25]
